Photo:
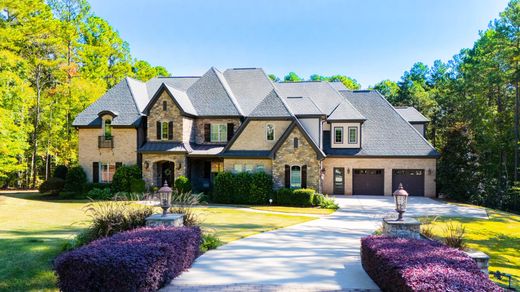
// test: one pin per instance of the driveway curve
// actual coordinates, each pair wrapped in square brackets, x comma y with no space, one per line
[317,255]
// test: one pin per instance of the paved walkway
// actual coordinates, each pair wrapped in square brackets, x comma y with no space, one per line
[313,256]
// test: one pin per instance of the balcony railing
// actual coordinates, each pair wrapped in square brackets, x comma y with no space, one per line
[106,142]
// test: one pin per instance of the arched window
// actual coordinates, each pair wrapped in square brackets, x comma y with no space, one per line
[164,105]
[296,177]
[296,142]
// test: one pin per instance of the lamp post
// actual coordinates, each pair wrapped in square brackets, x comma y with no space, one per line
[400,197]
[165,195]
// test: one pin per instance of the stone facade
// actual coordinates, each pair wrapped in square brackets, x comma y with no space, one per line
[199,127]
[253,137]
[428,164]
[171,114]
[229,163]
[150,173]
[303,155]
[124,151]
[406,228]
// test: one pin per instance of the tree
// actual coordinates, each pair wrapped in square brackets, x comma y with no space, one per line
[350,83]
[292,77]
[143,71]
[274,78]
[388,89]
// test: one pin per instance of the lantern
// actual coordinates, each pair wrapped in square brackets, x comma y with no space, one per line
[401,198]
[165,195]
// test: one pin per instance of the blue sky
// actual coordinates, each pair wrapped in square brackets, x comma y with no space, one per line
[367,40]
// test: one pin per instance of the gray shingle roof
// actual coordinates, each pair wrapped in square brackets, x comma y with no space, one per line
[338,85]
[247,153]
[411,114]
[384,133]
[182,100]
[345,111]
[271,106]
[180,83]
[159,146]
[322,93]
[302,106]
[210,97]
[204,150]
[118,99]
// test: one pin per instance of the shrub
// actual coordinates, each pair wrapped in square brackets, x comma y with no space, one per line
[209,242]
[398,264]
[183,203]
[99,194]
[283,196]
[125,174]
[454,235]
[325,202]
[297,197]
[144,259]
[53,185]
[76,181]
[137,186]
[91,186]
[242,188]
[60,171]
[261,188]
[182,184]
[223,188]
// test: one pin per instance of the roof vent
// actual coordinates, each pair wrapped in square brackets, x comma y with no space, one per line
[295,97]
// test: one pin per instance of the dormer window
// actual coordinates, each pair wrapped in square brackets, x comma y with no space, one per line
[165,105]
[269,132]
[338,135]
[107,128]
[352,135]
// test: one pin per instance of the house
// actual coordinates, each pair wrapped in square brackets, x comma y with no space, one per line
[306,134]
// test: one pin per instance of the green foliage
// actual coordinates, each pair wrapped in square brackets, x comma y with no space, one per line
[209,241]
[274,78]
[75,181]
[137,186]
[454,234]
[182,184]
[349,83]
[325,202]
[183,203]
[297,197]
[60,171]
[292,77]
[53,185]
[242,188]
[99,194]
[124,176]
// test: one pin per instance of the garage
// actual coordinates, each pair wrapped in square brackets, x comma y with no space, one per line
[368,182]
[412,180]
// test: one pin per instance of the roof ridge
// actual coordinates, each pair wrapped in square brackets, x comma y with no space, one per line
[277,93]
[227,88]
[164,77]
[127,78]
[343,98]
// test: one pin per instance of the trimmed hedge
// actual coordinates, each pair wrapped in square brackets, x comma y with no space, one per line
[242,188]
[53,185]
[124,176]
[398,264]
[143,259]
[297,197]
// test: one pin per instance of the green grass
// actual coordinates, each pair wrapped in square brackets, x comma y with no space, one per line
[499,237]
[33,230]
[297,210]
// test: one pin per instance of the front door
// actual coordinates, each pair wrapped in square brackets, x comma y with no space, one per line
[167,169]
[339,181]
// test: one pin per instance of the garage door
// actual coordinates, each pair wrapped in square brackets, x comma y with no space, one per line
[412,180]
[368,182]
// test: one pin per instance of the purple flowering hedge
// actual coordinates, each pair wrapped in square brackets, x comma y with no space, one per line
[142,259]
[398,264]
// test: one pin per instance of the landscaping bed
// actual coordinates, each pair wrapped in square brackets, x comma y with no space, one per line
[398,264]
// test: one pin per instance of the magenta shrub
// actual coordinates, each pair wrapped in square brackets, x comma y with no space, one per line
[398,264]
[142,259]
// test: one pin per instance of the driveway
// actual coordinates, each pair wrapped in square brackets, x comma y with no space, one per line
[318,255]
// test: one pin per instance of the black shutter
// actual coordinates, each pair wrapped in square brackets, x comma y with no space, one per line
[170,131]
[287,176]
[95,172]
[230,129]
[118,165]
[304,176]
[207,132]
[158,126]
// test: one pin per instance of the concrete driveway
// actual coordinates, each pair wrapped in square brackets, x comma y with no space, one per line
[318,255]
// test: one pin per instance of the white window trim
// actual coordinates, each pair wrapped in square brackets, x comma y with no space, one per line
[356,136]
[221,138]
[291,177]
[342,135]
[267,132]
[101,167]
[167,130]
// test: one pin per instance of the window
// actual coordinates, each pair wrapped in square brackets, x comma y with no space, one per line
[164,130]
[217,166]
[260,168]
[164,105]
[249,168]
[296,142]
[237,168]
[106,172]
[338,135]
[107,128]
[296,177]
[352,135]
[218,133]
[269,132]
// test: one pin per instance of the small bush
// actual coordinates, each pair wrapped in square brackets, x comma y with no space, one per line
[427,226]
[398,264]
[183,203]
[454,235]
[297,197]
[209,242]
[125,174]
[76,181]
[325,202]
[60,172]
[318,200]
[137,186]
[182,184]
[242,188]
[99,194]
[91,186]
[53,185]
[143,259]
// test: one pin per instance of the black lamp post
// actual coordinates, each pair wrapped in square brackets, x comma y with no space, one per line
[165,195]
[401,198]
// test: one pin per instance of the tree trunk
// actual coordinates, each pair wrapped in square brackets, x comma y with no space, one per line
[36,122]
[517,114]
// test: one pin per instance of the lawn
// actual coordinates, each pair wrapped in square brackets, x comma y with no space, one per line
[499,237]
[33,230]
[296,210]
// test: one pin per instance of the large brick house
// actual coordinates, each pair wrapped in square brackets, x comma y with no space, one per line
[306,134]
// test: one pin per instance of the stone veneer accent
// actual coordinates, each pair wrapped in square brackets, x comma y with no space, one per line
[303,155]
[379,163]
[172,113]
[125,148]
[150,173]
[199,127]
[253,137]
[229,163]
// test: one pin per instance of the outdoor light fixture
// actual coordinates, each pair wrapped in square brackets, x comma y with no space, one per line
[348,170]
[165,195]
[270,201]
[146,164]
[400,197]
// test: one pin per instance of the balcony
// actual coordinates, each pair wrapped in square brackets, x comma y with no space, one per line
[105,142]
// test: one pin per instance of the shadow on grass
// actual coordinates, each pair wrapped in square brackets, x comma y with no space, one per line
[35,196]
[27,257]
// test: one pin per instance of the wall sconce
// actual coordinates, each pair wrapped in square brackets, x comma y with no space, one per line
[348,170]
[323,171]
[429,171]
[179,165]
[146,164]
